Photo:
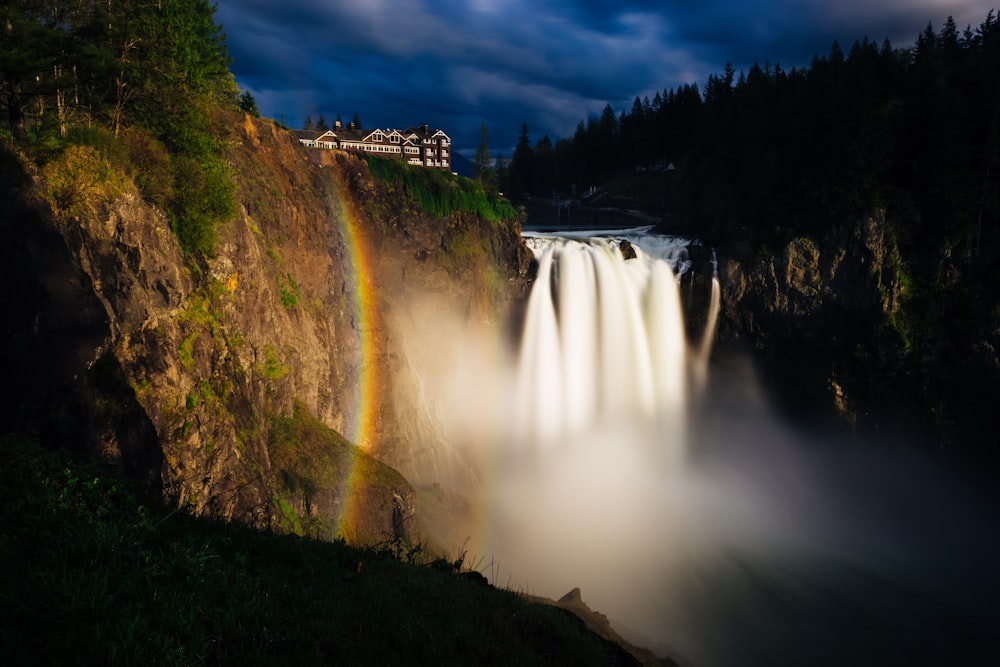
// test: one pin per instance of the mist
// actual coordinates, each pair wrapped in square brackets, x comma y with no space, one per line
[707,528]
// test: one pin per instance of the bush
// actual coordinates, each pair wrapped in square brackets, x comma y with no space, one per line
[203,194]
[79,179]
[151,164]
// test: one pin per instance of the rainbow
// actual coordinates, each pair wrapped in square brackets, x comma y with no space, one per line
[360,429]
[369,380]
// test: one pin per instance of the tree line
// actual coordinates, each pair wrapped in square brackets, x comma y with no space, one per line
[143,80]
[770,150]
[321,125]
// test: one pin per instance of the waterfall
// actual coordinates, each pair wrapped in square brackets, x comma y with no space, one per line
[604,338]
[587,480]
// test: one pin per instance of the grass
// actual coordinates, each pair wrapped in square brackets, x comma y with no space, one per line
[440,193]
[92,575]
[80,179]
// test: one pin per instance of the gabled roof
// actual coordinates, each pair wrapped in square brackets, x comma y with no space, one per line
[308,135]
[314,135]
[425,132]
[361,135]
[345,134]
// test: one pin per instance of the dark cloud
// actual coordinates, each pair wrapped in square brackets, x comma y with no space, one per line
[546,63]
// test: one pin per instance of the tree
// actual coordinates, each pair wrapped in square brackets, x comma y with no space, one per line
[37,52]
[321,124]
[180,64]
[949,35]
[481,170]
[544,165]
[503,177]
[522,164]
[248,104]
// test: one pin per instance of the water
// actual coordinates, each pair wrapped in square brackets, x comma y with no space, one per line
[609,454]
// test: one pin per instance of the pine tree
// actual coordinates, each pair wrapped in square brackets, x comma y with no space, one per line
[481,170]
[522,164]
[248,104]
[39,48]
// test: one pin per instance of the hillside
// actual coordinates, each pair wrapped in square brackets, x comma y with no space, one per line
[95,576]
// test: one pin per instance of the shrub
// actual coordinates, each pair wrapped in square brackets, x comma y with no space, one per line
[151,164]
[79,179]
[203,195]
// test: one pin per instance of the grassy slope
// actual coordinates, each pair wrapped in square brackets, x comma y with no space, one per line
[92,576]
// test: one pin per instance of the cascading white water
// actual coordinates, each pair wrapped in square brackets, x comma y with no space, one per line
[586,483]
[603,338]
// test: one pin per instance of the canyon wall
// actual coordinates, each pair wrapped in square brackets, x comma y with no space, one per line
[263,383]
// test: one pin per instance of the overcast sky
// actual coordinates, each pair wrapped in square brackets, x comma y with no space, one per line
[456,64]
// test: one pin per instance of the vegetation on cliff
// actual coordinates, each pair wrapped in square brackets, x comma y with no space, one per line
[143,83]
[439,193]
[93,575]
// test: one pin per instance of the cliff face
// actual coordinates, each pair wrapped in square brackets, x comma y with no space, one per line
[845,331]
[227,384]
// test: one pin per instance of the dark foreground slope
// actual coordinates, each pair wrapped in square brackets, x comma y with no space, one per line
[92,576]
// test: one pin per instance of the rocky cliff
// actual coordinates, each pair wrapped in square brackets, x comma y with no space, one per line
[240,384]
[848,331]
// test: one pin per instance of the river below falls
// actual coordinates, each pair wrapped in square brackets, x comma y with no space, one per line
[872,553]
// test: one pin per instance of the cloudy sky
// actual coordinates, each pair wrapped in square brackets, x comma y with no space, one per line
[456,64]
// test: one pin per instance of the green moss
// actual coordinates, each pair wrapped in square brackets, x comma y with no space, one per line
[292,521]
[187,350]
[288,291]
[308,455]
[272,368]
[466,245]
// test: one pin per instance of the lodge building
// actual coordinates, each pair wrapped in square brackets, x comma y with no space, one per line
[420,145]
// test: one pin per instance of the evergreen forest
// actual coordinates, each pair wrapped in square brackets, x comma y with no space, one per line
[769,153]
[137,83]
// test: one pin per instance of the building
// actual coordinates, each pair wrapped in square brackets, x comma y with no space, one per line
[420,145]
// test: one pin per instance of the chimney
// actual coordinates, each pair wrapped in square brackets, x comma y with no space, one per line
[336,124]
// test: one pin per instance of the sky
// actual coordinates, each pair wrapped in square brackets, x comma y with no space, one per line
[460,64]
